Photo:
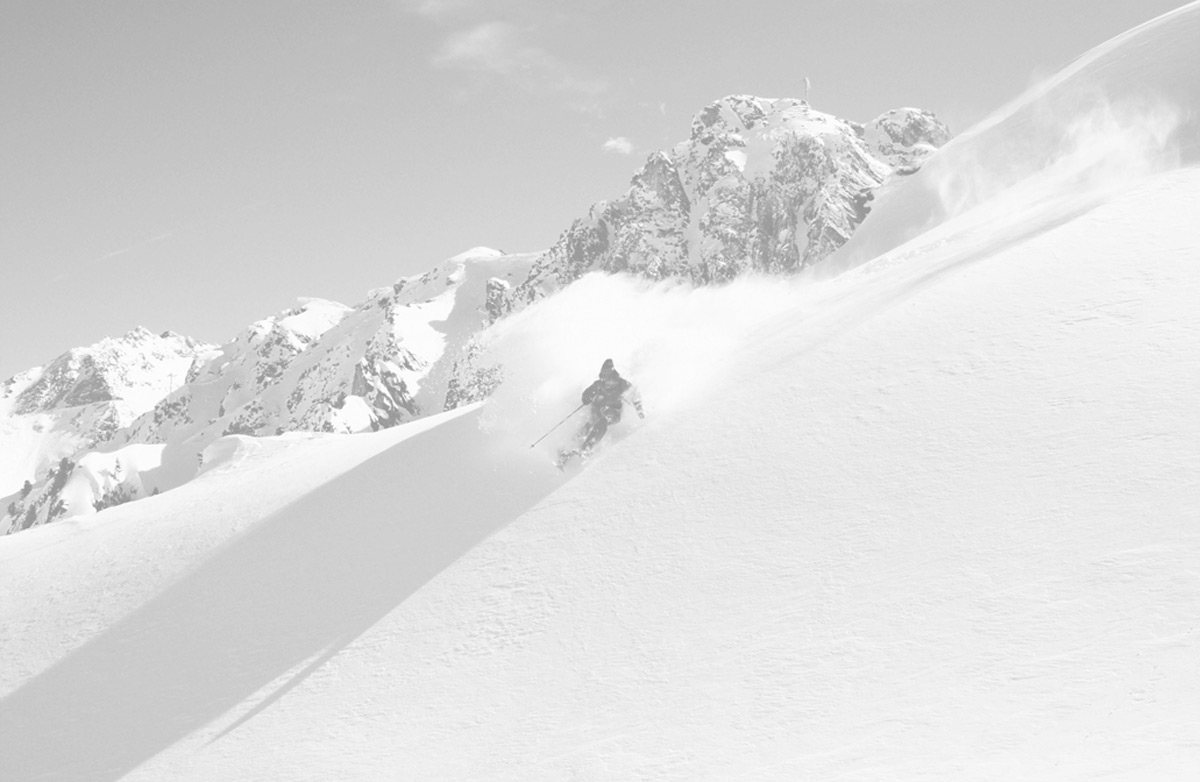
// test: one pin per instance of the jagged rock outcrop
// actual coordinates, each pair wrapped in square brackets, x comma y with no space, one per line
[136,368]
[761,185]
[902,138]
[766,186]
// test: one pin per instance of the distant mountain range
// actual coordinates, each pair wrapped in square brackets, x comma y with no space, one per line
[766,186]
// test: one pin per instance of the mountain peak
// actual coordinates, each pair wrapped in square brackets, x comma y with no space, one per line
[137,334]
[762,184]
[477,254]
[744,111]
[139,367]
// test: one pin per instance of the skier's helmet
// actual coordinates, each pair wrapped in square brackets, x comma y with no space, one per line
[607,368]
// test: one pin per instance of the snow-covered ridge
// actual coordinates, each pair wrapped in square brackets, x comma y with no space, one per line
[138,368]
[86,395]
[320,366]
[327,367]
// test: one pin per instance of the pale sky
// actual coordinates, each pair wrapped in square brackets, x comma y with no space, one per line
[198,166]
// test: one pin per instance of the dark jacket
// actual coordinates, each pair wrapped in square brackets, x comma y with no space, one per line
[606,391]
[605,396]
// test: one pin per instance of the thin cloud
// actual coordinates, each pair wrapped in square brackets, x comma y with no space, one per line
[434,10]
[498,49]
[486,47]
[619,145]
[133,247]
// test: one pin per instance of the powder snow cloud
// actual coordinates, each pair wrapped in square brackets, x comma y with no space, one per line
[675,342]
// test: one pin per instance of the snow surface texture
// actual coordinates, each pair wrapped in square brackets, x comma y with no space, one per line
[936,518]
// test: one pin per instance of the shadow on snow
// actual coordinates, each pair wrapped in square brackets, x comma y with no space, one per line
[292,591]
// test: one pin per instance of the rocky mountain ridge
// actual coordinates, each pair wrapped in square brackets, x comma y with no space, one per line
[321,366]
[761,185]
[138,367]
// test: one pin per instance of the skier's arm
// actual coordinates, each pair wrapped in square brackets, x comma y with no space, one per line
[590,392]
[632,396]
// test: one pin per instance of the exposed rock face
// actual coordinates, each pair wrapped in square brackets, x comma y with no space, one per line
[904,137]
[86,395]
[766,186]
[135,368]
[227,391]
[78,402]
[331,368]
[761,185]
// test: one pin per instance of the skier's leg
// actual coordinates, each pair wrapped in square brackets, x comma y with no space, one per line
[597,429]
[581,438]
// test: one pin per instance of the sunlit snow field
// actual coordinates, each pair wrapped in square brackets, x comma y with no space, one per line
[935,517]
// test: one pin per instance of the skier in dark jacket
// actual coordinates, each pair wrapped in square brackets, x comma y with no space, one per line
[605,397]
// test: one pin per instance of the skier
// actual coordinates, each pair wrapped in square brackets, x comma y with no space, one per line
[605,397]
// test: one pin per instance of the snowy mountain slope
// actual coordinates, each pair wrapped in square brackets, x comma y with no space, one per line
[265,474]
[238,377]
[314,544]
[239,370]
[321,366]
[938,521]
[85,395]
[934,519]
[136,368]
[365,368]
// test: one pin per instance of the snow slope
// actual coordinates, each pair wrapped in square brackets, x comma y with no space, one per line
[939,522]
[936,518]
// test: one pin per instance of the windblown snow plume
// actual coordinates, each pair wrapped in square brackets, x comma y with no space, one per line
[1094,130]
[673,341]
[1100,151]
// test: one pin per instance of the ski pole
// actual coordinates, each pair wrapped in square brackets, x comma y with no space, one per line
[560,423]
